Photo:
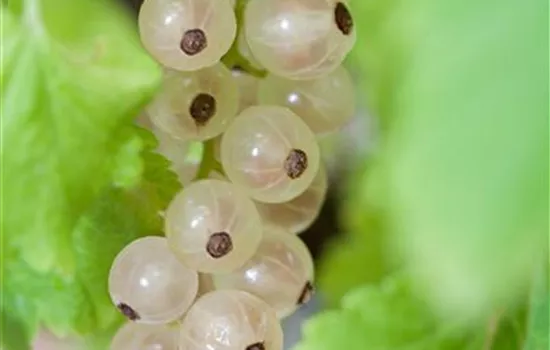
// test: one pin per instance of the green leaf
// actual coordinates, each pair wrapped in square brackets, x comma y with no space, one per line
[79,304]
[349,262]
[73,73]
[388,316]
[359,256]
[18,321]
[462,90]
[538,331]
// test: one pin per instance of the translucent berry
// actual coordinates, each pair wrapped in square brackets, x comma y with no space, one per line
[133,336]
[299,213]
[149,285]
[230,320]
[187,34]
[195,105]
[299,39]
[270,153]
[212,226]
[280,273]
[324,104]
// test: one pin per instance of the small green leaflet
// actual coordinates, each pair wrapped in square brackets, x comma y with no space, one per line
[73,73]
[390,316]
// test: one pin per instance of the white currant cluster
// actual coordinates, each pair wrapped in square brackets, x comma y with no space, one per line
[231,265]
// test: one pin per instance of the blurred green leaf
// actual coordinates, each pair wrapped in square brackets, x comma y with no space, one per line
[383,317]
[358,256]
[18,321]
[73,73]
[462,90]
[538,331]
[350,262]
[79,304]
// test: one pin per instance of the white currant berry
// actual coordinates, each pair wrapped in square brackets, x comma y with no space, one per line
[299,39]
[187,34]
[149,285]
[299,213]
[196,105]
[230,320]
[133,336]
[270,153]
[324,104]
[280,273]
[212,226]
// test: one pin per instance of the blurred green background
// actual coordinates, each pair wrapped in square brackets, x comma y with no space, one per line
[441,239]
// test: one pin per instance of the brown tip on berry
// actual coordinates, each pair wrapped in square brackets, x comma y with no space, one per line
[295,163]
[219,244]
[307,293]
[343,18]
[193,41]
[127,311]
[256,346]
[202,108]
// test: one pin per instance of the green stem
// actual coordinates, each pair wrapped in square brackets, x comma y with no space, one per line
[233,57]
[209,162]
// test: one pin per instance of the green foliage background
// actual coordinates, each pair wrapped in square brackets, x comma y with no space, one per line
[446,243]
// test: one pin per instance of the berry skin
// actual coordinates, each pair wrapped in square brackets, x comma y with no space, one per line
[248,88]
[325,104]
[298,214]
[195,105]
[212,226]
[187,35]
[149,285]
[299,39]
[270,153]
[133,336]
[280,273]
[230,320]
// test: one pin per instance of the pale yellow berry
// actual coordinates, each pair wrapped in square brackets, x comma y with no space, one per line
[133,336]
[149,285]
[299,213]
[325,104]
[270,153]
[187,34]
[230,320]
[299,39]
[212,226]
[195,105]
[280,273]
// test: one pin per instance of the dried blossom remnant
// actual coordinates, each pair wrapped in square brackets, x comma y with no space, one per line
[193,42]
[219,244]
[256,346]
[295,163]
[343,18]
[127,311]
[202,108]
[307,293]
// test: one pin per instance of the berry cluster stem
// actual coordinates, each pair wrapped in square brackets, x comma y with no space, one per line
[209,162]
[233,58]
